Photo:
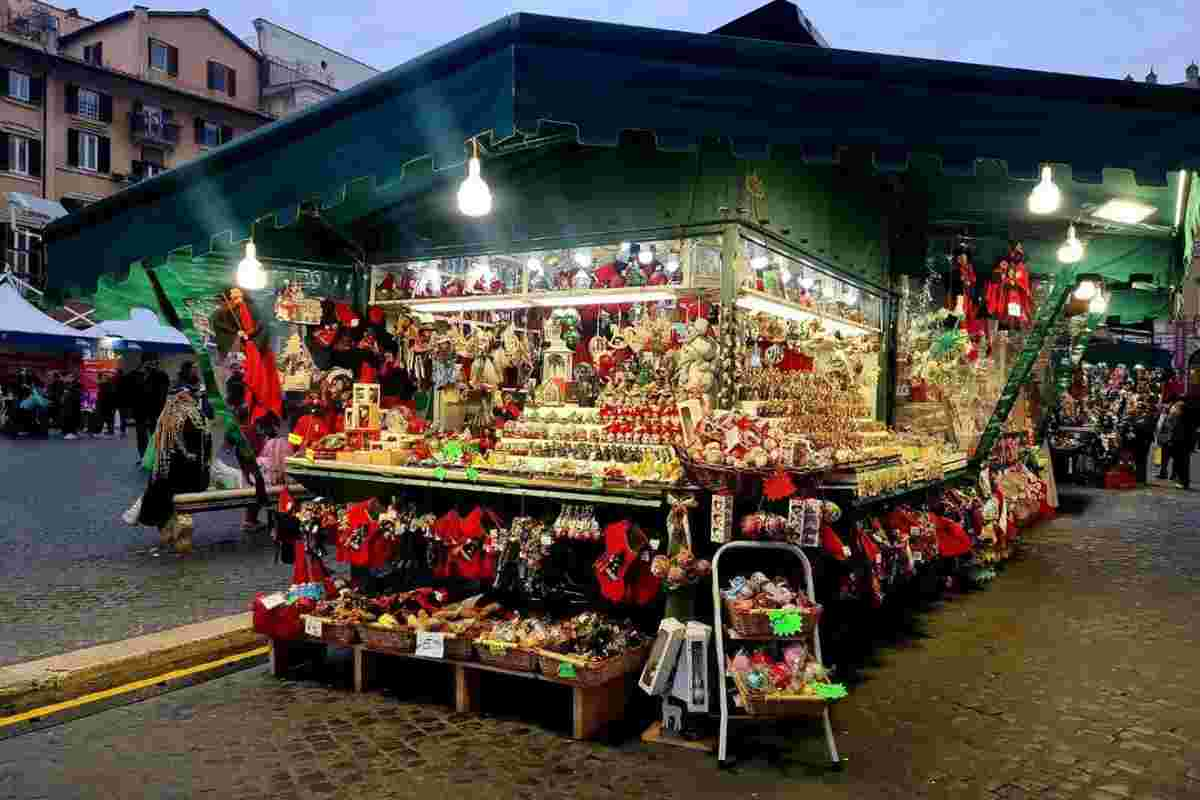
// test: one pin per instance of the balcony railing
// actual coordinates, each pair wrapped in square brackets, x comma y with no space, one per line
[153,130]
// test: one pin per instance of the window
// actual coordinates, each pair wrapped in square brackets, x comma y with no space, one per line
[21,251]
[89,151]
[163,57]
[210,134]
[222,79]
[89,104]
[18,155]
[19,85]
[94,53]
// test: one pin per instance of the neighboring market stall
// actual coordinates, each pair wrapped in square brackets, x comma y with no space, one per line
[706,300]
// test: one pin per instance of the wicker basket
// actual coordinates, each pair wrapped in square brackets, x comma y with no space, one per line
[760,704]
[339,634]
[757,623]
[397,641]
[458,646]
[591,672]
[720,478]
[506,655]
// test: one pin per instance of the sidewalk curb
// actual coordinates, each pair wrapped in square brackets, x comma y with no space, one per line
[64,677]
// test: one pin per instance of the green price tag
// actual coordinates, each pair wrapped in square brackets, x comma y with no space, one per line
[440,473]
[566,670]
[472,474]
[597,482]
[785,622]
[453,450]
[830,691]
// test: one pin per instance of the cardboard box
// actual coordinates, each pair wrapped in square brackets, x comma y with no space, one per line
[345,456]
[721,528]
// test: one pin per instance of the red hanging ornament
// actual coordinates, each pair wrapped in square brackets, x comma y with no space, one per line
[779,486]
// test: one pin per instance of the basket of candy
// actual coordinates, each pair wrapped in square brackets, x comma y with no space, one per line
[759,607]
[513,644]
[388,635]
[594,650]
[794,686]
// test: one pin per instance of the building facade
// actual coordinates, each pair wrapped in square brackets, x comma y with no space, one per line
[87,107]
[298,72]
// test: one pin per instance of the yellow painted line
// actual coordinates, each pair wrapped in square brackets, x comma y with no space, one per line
[46,711]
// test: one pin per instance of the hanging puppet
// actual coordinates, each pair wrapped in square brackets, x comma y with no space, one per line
[962,283]
[236,326]
[1009,296]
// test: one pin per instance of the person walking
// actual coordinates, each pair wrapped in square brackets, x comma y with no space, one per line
[1143,424]
[1183,441]
[72,407]
[154,386]
[106,406]
[1162,435]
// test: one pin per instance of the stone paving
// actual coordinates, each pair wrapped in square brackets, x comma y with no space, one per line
[74,574]
[1071,677]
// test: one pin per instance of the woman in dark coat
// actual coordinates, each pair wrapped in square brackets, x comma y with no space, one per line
[183,449]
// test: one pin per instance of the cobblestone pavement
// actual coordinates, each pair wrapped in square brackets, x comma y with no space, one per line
[74,574]
[1071,676]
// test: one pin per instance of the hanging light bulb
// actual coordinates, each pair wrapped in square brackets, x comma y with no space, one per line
[1099,304]
[851,295]
[1085,291]
[250,273]
[534,265]
[1072,249]
[646,254]
[807,282]
[1045,197]
[474,196]
[760,262]
[583,257]
[673,264]
[785,274]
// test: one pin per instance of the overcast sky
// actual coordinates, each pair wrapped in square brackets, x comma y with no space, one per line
[1106,40]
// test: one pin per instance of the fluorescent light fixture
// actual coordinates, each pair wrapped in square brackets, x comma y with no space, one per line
[765,304]
[1183,176]
[1127,212]
[601,297]
[448,305]
[1045,197]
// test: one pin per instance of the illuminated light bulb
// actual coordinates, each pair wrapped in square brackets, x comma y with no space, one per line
[583,257]
[534,264]
[760,262]
[1085,291]
[673,264]
[807,283]
[851,295]
[1045,197]
[646,255]
[474,196]
[250,273]
[785,275]
[1071,250]
[1098,305]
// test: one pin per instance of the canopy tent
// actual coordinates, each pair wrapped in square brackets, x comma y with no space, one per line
[23,325]
[396,142]
[143,330]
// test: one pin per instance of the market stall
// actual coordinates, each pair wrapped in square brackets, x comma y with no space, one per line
[539,393]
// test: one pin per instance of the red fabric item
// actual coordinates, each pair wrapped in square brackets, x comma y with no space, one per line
[263,393]
[311,428]
[285,501]
[280,622]
[832,544]
[952,539]
[623,575]
[367,373]
[309,569]
[446,531]
[375,315]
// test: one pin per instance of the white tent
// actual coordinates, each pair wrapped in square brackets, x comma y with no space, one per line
[142,331]
[22,324]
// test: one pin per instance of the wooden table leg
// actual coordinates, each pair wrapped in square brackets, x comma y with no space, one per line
[466,689]
[594,707]
[365,664]
[285,655]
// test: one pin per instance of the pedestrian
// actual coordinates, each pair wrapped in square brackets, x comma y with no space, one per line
[106,405]
[1183,441]
[154,386]
[72,407]
[54,394]
[124,399]
[1162,435]
[1143,423]
[183,450]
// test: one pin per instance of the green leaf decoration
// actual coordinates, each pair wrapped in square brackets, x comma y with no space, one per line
[786,622]
[452,451]
[472,474]
[830,691]
[440,473]
[566,670]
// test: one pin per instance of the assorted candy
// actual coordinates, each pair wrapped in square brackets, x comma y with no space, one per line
[795,672]
[757,591]
[680,570]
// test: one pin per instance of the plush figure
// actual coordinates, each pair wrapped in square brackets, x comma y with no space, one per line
[696,362]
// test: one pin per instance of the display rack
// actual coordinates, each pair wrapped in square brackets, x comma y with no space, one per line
[720,633]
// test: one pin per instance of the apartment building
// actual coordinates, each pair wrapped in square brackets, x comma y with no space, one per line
[298,72]
[89,106]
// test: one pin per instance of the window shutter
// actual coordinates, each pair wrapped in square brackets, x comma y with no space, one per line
[172,60]
[72,95]
[37,90]
[212,78]
[137,106]
[72,148]
[150,52]
[98,53]
[226,133]
[35,158]
[199,131]
[105,160]
[4,151]
[7,88]
[231,79]
[106,108]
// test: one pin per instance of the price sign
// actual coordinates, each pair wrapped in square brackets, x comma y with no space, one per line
[312,627]
[566,670]
[273,600]
[431,645]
